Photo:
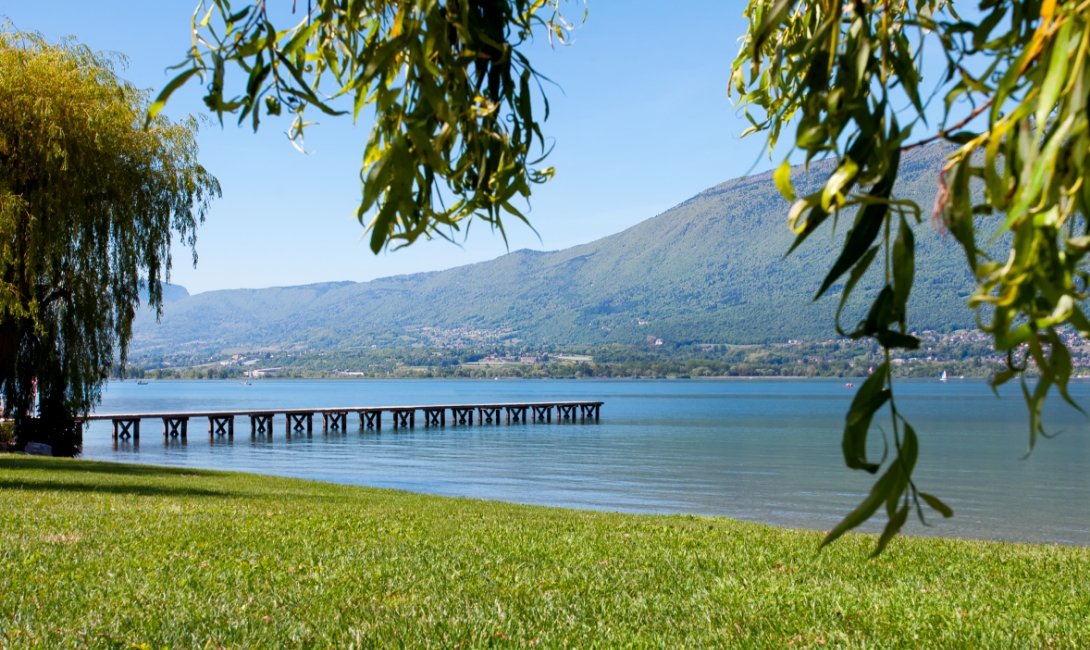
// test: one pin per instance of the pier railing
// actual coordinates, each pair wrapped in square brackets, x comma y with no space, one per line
[222,423]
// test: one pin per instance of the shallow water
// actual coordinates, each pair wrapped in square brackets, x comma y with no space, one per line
[760,450]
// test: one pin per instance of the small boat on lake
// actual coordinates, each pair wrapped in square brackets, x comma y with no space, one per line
[942,377]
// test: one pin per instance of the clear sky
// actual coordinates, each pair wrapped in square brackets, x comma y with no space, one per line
[641,121]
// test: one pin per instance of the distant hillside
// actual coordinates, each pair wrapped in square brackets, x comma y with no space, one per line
[171,293]
[708,270]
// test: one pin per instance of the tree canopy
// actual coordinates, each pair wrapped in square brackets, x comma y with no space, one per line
[453,100]
[452,95]
[89,202]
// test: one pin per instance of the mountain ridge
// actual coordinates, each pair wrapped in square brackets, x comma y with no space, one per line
[710,269]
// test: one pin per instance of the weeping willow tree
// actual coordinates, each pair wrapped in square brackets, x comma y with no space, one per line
[89,202]
[453,100]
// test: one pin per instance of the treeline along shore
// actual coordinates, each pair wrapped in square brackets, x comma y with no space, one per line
[959,354]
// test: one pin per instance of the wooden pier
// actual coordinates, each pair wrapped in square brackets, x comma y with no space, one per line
[222,423]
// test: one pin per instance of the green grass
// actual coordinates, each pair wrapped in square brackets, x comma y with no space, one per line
[105,555]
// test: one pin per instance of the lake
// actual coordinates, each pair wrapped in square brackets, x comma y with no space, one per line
[759,450]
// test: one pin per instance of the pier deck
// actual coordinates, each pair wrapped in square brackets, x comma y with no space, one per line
[222,423]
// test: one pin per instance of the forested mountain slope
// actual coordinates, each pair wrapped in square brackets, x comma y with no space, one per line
[708,270]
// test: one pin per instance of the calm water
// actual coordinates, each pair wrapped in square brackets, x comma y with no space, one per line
[764,451]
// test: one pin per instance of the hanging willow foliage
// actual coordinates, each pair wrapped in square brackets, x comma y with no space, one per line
[452,95]
[848,77]
[89,199]
[454,99]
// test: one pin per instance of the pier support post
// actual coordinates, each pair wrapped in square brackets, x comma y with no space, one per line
[371,419]
[125,428]
[336,420]
[435,417]
[486,414]
[565,412]
[261,423]
[589,411]
[221,425]
[461,415]
[299,420]
[516,414]
[175,427]
[543,413]
[404,418]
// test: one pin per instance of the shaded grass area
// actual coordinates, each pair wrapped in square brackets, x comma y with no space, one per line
[110,555]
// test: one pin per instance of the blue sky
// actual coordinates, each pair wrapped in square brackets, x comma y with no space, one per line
[641,121]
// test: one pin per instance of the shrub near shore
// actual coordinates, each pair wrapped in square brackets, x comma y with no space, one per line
[110,555]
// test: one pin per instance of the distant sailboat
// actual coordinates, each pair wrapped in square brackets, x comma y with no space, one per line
[942,377]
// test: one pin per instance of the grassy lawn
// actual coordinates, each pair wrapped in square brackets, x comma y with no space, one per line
[105,555]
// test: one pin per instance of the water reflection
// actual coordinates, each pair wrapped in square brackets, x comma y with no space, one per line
[758,450]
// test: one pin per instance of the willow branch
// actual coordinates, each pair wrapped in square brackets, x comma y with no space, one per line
[945,132]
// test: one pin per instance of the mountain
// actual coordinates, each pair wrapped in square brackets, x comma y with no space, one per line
[171,293]
[708,270]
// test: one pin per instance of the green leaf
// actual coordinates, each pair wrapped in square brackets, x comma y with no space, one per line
[168,90]
[1055,77]
[771,22]
[893,526]
[1000,378]
[867,226]
[904,269]
[856,245]
[299,40]
[878,494]
[1035,402]
[814,218]
[872,395]
[936,505]
[1059,361]
[858,272]
[782,177]
[845,173]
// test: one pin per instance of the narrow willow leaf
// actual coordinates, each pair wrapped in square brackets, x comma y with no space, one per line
[168,90]
[782,178]
[867,226]
[857,274]
[904,269]
[1055,76]
[937,505]
[855,246]
[872,396]
[893,526]
[1001,377]
[845,173]
[299,40]
[878,494]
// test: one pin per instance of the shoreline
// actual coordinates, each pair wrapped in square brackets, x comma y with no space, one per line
[869,531]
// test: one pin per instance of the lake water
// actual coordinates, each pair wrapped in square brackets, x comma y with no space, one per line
[760,450]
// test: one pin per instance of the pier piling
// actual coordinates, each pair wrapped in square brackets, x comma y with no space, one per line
[370,419]
[174,427]
[298,421]
[335,420]
[221,425]
[261,423]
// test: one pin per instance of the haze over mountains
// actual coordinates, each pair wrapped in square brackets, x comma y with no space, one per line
[709,270]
